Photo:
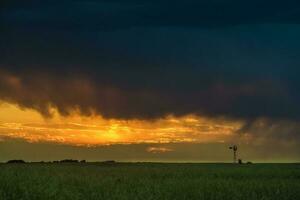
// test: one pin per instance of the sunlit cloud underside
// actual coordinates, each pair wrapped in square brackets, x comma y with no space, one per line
[94,130]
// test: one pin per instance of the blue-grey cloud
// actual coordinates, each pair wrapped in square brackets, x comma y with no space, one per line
[147,59]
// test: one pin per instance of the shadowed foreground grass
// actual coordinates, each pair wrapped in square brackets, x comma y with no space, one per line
[149,181]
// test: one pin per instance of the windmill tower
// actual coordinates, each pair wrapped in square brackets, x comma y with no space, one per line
[234,149]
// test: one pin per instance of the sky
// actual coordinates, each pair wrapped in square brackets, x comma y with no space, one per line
[167,81]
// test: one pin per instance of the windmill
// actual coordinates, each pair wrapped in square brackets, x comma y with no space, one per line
[234,149]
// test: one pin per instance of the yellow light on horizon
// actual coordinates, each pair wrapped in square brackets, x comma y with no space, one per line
[94,130]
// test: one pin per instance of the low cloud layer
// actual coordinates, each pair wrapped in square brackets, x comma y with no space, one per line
[149,95]
[268,129]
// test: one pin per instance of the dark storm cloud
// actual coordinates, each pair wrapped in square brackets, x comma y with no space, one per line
[147,59]
[106,15]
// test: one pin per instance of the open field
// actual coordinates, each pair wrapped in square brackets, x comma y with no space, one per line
[149,181]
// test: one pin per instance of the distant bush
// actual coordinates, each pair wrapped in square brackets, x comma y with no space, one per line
[16,161]
[69,161]
[82,161]
[249,163]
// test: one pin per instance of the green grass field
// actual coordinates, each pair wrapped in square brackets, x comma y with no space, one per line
[149,181]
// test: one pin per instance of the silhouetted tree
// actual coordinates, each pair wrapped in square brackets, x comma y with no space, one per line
[16,161]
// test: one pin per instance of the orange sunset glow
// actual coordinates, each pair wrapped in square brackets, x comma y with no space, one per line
[94,130]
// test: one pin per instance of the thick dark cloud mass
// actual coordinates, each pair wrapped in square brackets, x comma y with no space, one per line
[147,59]
[120,14]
